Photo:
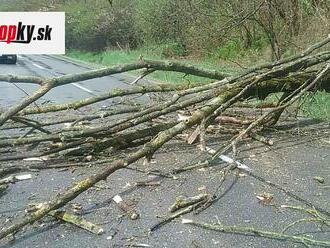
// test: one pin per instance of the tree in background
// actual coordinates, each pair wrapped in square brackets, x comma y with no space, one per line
[219,28]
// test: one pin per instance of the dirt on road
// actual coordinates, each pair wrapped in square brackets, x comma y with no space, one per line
[298,162]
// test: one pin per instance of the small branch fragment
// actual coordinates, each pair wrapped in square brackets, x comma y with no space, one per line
[14,179]
[129,211]
[144,74]
[188,204]
[68,217]
[316,217]
[258,233]
[176,215]
[182,202]
[77,220]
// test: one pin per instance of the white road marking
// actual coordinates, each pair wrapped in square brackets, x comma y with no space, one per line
[83,88]
[74,84]
[38,66]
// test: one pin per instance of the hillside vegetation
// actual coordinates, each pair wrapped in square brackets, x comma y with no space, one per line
[219,29]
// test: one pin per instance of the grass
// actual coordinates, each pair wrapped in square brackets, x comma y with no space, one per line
[316,106]
[116,57]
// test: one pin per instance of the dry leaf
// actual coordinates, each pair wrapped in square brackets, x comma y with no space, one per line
[265,198]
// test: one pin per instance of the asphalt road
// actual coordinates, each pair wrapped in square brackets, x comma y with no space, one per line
[50,66]
[301,152]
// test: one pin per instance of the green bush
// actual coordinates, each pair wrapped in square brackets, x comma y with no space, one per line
[259,43]
[98,26]
[230,50]
[158,21]
[173,50]
[81,28]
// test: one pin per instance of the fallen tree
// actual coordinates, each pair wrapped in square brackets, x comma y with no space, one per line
[145,127]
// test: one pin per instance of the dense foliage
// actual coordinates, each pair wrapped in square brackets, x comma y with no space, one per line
[189,27]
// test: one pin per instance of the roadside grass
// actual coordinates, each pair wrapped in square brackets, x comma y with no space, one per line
[116,57]
[316,106]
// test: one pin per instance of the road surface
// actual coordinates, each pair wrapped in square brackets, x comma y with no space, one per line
[50,66]
[301,152]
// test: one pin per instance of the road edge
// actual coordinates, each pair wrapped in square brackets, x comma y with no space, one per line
[77,62]
[94,66]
